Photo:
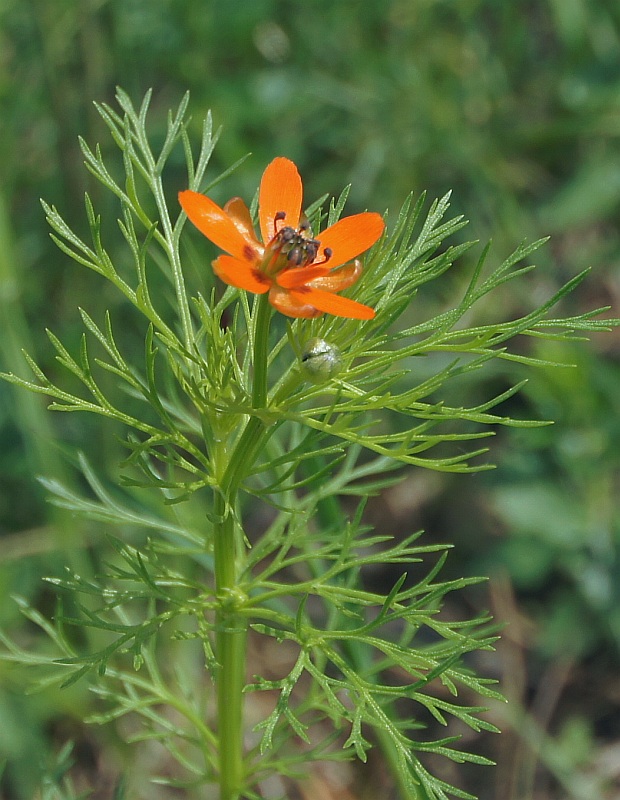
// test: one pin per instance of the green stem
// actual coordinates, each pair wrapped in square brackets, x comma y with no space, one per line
[231,636]
[171,237]
[261,352]
[250,440]
[231,653]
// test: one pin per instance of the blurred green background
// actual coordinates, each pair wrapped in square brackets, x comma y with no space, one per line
[513,105]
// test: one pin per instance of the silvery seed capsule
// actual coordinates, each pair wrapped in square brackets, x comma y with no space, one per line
[320,360]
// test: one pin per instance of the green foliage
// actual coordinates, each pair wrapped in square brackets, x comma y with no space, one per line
[346,645]
[197,421]
[368,380]
[57,784]
[513,106]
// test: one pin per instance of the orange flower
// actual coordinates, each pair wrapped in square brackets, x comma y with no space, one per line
[301,274]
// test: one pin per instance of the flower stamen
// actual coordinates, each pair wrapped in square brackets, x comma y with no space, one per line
[291,247]
[327,254]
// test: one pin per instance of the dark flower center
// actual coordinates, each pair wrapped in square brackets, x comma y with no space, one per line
[292,247]
[299,250]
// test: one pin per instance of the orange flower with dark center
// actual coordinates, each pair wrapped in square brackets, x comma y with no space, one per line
[302,274]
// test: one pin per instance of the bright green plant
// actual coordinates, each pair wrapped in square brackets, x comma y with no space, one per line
[232,409]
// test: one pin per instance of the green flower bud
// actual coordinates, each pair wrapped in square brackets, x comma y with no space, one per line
[320,360]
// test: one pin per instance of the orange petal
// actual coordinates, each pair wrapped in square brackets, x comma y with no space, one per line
[284,302]
[299,276]
[280,190]
[241,275]
[240,215]
[351,236]
[333,303]
[216,225]
[339,279]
